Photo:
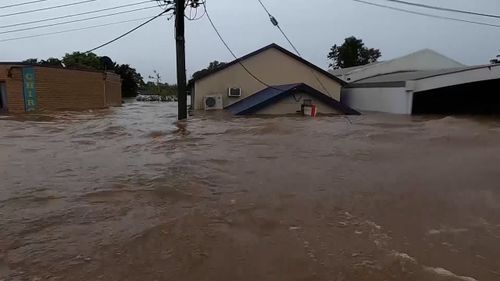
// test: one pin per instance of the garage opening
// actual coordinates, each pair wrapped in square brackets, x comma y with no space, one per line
[473,98]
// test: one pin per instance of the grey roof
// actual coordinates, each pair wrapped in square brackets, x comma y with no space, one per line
[399,78]
[348,70]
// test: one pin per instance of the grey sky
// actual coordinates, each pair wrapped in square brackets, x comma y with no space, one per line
[313,25]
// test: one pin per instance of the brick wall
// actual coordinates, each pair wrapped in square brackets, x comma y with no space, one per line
[63,89]
[14,88]
[113,90]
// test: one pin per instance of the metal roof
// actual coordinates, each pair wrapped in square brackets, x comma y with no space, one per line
[273,94]
[399,78]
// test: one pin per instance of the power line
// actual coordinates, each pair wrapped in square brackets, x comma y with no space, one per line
[425,14]
[75,15]
[275,22]
[72,30]
[47,8]
[22,4]
[231,51]
[130,31]
[77,20]
[444,9]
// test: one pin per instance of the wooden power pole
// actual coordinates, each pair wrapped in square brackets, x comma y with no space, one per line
[181,59]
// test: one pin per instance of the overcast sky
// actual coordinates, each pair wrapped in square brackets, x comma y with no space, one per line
[313,25]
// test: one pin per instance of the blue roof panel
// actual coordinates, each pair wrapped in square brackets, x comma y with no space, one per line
[264,96]
[273,94]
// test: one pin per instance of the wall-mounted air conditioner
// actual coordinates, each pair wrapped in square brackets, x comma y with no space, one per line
[234,92]
[213,102]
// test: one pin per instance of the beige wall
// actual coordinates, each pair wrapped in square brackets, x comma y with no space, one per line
[289,105]
[63,89]
[271,66]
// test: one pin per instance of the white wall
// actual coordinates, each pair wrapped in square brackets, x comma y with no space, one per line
[458,78]
[390,100]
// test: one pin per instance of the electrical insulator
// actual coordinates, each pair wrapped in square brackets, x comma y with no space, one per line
[274,20]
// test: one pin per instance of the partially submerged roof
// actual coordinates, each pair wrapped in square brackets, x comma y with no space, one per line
[273,94]
[281,49]
[423,60]
[398,79]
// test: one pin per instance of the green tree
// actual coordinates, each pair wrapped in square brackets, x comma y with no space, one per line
[31,61]
[352,53]
[213,66]
[51,61]
[131,80]
[82,60]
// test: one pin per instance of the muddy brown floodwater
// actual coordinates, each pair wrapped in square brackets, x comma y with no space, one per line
[128,194]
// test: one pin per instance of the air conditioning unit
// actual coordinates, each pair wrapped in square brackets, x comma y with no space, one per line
[234,92]
[213,102]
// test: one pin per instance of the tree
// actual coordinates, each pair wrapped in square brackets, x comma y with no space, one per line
[352,53]
[131,80]
[52,62]
[213,66]
[82,60]
[31,61]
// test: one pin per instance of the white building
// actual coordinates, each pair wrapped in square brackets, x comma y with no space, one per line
[456,90]
[422,60]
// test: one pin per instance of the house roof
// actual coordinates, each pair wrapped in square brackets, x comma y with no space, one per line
[273,94]
[281,49]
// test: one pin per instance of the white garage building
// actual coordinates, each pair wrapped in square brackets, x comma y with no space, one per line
[423,60]
[456,90]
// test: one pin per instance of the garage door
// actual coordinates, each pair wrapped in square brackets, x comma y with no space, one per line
[473,98]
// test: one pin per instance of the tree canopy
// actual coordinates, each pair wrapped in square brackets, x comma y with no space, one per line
[213,66]
[352,53]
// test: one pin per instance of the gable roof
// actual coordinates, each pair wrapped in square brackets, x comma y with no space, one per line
[398,79]
[422,60]
[281,49]
[273,94]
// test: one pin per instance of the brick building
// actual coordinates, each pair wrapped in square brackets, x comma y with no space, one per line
[25,87]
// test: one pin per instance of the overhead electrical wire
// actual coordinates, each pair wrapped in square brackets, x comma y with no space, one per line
[22,4]
[275,22]
[71,30]
[425,14]
[130,31]
[445,9]
[47,8]
[75,15]
[231,51]
[77,20]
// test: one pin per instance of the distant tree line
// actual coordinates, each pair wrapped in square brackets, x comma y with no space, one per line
[132,81]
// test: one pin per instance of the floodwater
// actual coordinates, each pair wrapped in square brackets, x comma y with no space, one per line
[129,194]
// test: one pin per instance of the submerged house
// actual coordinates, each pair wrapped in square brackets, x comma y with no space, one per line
[270,81]
[25,87]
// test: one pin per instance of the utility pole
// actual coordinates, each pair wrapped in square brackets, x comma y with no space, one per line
[181,59]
